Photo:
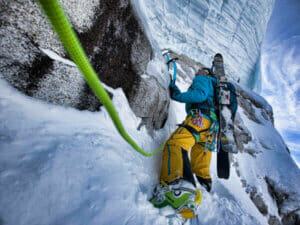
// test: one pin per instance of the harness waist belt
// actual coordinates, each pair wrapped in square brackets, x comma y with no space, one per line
[193,131]
[202,111]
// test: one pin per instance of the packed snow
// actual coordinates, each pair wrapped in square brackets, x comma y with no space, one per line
[63,166]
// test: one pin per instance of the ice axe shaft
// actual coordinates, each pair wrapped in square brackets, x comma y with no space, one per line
[172,60]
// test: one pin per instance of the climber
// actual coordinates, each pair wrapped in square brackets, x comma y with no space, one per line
[195,134]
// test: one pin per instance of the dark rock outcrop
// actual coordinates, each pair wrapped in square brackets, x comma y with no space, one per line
[113,39]
[257,110]
[150,106]
[256,198]
[288,207]
[117,46]
[248,100]
[273,220]
[241,133]
[291,218]
[259,202]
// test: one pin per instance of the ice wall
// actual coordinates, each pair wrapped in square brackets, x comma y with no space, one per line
[199,29]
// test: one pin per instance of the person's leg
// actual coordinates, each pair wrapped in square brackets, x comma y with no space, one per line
[200,159]
[177,186]
[175,163]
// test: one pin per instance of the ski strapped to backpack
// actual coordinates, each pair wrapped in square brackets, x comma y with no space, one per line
[66,34]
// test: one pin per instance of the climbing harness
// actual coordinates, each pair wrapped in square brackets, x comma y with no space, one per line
[210,143]
[198,120]
[211,138]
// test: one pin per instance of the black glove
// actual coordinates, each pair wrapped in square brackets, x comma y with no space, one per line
[172,90]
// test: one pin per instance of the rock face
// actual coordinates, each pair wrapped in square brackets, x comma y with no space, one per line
[288,210]
[249,100]
[273,220]
[259,202]
[148,106]
[113,40]
[272,188]
[251,103]
[24,33]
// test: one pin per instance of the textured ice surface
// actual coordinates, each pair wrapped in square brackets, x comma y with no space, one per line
[199,29]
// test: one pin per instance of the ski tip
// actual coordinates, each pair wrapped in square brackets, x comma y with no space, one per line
[218,55]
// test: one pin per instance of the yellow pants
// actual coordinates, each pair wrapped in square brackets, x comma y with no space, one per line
[175,162]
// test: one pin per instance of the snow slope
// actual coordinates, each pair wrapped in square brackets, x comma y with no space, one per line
[63,166]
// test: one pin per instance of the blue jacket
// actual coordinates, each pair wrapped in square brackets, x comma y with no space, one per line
[201,94]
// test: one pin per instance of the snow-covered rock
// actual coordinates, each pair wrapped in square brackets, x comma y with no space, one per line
[34,62]
[269,174]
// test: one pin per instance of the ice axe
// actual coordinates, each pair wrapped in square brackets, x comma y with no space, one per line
[171,60]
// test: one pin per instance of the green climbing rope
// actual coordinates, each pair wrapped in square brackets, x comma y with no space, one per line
[62,26]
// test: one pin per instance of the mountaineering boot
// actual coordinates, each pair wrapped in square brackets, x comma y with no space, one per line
[180,195]
[206,183]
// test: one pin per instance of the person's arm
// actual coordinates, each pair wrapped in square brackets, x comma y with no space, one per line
[198,94]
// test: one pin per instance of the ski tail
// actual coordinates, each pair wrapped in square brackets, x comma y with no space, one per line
[223,164]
